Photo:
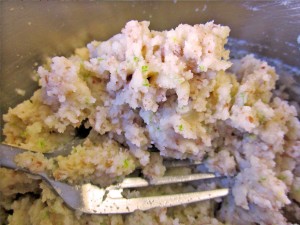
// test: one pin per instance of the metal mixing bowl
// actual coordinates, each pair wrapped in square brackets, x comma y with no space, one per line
[32,30]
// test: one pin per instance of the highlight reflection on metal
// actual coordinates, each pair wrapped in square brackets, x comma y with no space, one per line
[96,200]
[89,198]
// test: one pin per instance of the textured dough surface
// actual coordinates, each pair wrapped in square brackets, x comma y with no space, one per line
[176,90]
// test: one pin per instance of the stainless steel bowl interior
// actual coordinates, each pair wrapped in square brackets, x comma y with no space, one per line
[32,30]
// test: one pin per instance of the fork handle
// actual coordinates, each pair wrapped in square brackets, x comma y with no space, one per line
[7,156]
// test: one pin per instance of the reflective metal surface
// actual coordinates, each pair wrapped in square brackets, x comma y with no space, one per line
[32,30]
[88,198]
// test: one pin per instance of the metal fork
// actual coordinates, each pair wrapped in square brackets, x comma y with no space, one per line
[91,199]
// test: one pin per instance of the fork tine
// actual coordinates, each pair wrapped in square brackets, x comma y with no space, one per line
[181,178]
[115,204]
[91,199]
[66,149]
[135,182]
[171,163]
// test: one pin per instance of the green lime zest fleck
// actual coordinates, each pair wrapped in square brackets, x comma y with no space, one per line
[262,179]
[136,59]
[126,163]
[41,143]
[145,68]
[23,134]
[146,83]
[75,149]
[151,117]
[252,136]
[180,127]
[243,96]
[180,80]
[261,117]
[202,68]
[84,73]
[87,100]
[45,215]
[281,177]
